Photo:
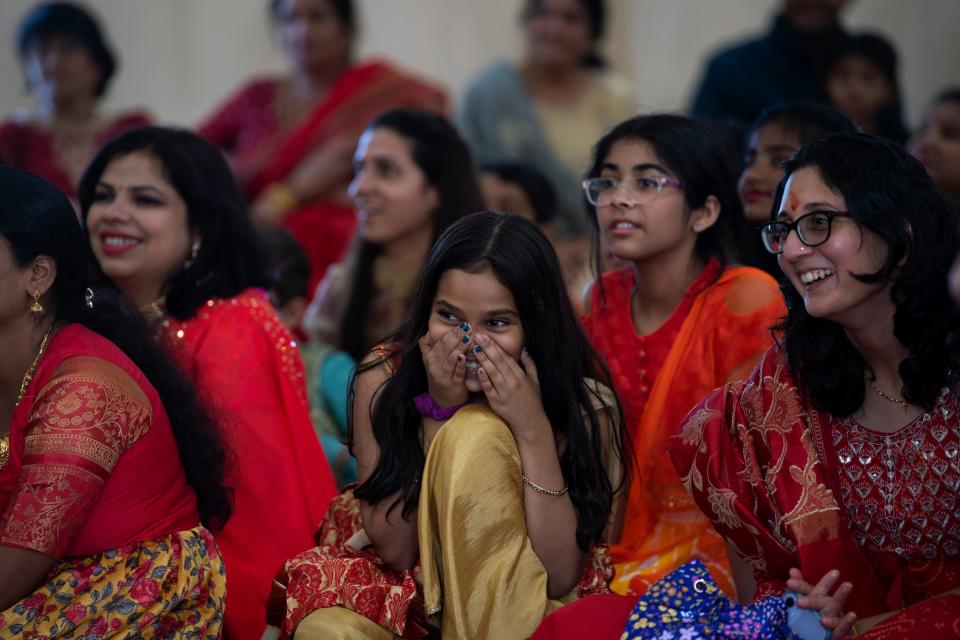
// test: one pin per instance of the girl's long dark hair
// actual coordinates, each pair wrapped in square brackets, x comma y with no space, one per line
[443,157]
[37,220]
[522,259]
[890,194]
[229,259]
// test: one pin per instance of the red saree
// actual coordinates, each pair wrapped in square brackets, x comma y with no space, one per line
[789,486]
[247,128]
[94,479]
[717,332]
[246,368]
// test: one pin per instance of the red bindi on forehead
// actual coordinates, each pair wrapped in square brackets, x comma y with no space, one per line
[794,201]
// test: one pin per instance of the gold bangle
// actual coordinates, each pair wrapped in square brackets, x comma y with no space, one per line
[282,195]
[539,489]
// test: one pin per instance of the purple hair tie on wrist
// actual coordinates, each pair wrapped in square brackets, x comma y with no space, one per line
[428,408]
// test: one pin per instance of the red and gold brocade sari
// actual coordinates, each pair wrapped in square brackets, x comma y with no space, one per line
[790,486]
[718,331]
[94,480]
[247,128]
[247,370]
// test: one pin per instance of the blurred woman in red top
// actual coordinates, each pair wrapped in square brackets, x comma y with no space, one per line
[68,66]
[291,138]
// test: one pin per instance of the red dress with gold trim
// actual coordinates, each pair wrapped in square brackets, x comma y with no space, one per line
[94,479]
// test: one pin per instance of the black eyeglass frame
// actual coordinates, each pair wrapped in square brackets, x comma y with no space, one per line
[767,229]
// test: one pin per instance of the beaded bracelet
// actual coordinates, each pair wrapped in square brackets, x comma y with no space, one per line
[540,489]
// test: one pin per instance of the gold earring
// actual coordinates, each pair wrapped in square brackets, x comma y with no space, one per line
[194,250]
[36,308]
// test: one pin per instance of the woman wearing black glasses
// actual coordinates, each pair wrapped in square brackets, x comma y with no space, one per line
[675,324]
[835,469]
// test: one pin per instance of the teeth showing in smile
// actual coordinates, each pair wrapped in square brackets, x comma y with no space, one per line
[814,276]
[624,225]
[117,241]
[472,365]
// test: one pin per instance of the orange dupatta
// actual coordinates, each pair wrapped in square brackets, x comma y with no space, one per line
[722,337]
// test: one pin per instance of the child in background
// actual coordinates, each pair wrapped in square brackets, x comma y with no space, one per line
[516,187]
[937,143]
[861,83]
[521,188]
[773,139]
[328,370]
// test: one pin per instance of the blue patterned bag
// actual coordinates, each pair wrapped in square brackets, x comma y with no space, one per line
[687,605]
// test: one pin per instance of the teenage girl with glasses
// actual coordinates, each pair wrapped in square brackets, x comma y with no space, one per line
[674,325]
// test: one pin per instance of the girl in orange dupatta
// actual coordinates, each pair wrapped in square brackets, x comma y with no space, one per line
[167,225]
[665,202]
[836,462]
[102,491]
[291,140]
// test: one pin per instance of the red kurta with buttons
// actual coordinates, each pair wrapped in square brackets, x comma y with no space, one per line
[716,334]
[247,369]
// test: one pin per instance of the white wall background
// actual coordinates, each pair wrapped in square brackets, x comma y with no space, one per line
[180,57]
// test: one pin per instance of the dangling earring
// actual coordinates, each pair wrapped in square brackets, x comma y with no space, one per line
[36,308]
[194,250]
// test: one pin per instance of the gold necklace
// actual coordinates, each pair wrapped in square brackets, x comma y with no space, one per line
[156,310]
[900,401]
[27,377]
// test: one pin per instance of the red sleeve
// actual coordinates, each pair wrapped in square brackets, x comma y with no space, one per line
[82,421]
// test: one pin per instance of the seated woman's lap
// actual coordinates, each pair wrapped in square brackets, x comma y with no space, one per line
[472,529]
[339,623]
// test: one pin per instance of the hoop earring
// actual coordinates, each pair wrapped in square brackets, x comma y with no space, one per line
[194,250]
[36,308]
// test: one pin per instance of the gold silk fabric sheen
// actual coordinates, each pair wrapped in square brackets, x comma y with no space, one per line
[472,494]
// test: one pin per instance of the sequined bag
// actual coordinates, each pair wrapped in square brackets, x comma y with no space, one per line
[687,605]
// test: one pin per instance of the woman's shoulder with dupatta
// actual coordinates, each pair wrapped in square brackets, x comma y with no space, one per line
[746,290]
[231,333]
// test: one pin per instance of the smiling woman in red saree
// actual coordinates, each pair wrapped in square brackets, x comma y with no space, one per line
[838,457]
[291,139]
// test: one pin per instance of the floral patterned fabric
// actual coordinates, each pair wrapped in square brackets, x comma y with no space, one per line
[688,605]
[168,587]
[761,463]
[343,570]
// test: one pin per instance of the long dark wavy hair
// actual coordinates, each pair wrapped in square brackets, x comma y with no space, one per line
[890,194]
[443,157]
[37,220]
[522,259]
[229,259]
[693,152]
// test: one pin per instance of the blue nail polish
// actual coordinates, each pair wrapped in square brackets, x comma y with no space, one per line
[464,327]
[466,339]
[478,349]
